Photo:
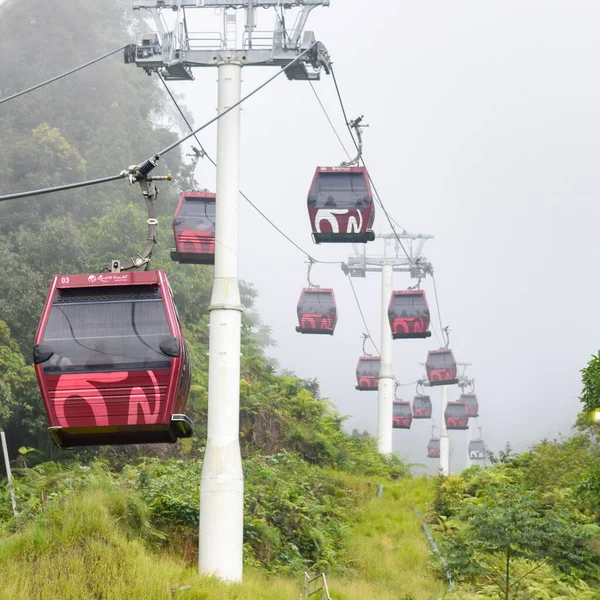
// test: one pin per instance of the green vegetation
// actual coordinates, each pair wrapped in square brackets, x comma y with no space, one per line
[123,522]
[527,527]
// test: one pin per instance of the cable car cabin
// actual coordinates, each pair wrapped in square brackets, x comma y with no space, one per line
[340,205]
[472,405]
[367,373]
[433,448]
[477,450]
[317,312]
[194,229]
[421,407]
[456,416]
[402,416]
[441,367]
[111,361]
[408,313]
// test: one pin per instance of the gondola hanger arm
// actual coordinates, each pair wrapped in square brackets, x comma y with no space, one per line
[357,126]
[141,174]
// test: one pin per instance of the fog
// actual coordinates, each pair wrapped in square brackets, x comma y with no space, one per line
[485,132]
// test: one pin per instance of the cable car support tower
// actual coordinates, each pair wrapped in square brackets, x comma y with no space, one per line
[172,51]
[405,258]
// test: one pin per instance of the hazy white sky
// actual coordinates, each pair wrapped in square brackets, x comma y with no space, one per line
[484,131]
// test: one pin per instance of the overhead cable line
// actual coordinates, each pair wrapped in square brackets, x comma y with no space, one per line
[39,85]
[162,152]
[437,303]
[260,212]
[337,135]
[360,310]
[377,196]
[234,106]
[62,188]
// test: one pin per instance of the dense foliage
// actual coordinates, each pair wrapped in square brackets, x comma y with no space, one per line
[529,517]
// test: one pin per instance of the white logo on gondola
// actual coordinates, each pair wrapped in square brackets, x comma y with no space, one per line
[354,225]
[92,279]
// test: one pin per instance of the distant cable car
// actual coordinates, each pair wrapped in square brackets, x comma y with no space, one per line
[441,367]
[317,312]
[340,205]
[408,313]
[194,229]
[367,373]
[402,416]
[433,448]
[477,450]
[422,407]
[111,360]
[472,404]
[456,416]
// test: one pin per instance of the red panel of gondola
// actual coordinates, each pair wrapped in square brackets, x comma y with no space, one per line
[408,313]
[367,373]
[402,416]
[441,367]
[340,205]
[317,313]
[422,408]
[433,448]
[456,416]
[111,360]
[477,450]
[194,229]
[471,403]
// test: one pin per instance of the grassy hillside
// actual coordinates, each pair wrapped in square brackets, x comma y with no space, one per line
[99,541]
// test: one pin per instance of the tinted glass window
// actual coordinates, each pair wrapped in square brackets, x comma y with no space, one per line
[369,368]
[434,445]
[317,303]
[422,402]
[469,399]
[402,410]
[476,446]
[440,360]
[340,190]
[104,330]
[197,213]
[410,305]
[456,410]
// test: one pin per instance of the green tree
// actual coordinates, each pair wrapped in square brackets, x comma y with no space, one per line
[512,524]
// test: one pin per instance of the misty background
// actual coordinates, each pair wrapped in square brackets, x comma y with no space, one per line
[484,131]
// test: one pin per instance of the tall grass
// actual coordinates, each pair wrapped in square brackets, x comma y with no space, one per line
[98,545]
[387,553]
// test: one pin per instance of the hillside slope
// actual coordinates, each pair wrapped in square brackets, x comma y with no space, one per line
[100,541]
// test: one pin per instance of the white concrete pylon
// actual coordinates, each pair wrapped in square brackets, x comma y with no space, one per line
[385,395]
[222,480]
[444,439]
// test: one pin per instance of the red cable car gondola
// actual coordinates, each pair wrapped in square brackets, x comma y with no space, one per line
[194,229]
[317,312]
[408,313]
[367,373]
[433,448]
[441,367]
[456,416]
[471,403]
[111,360]
[477,450]
[340,205]
[402,416]
[422,407]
